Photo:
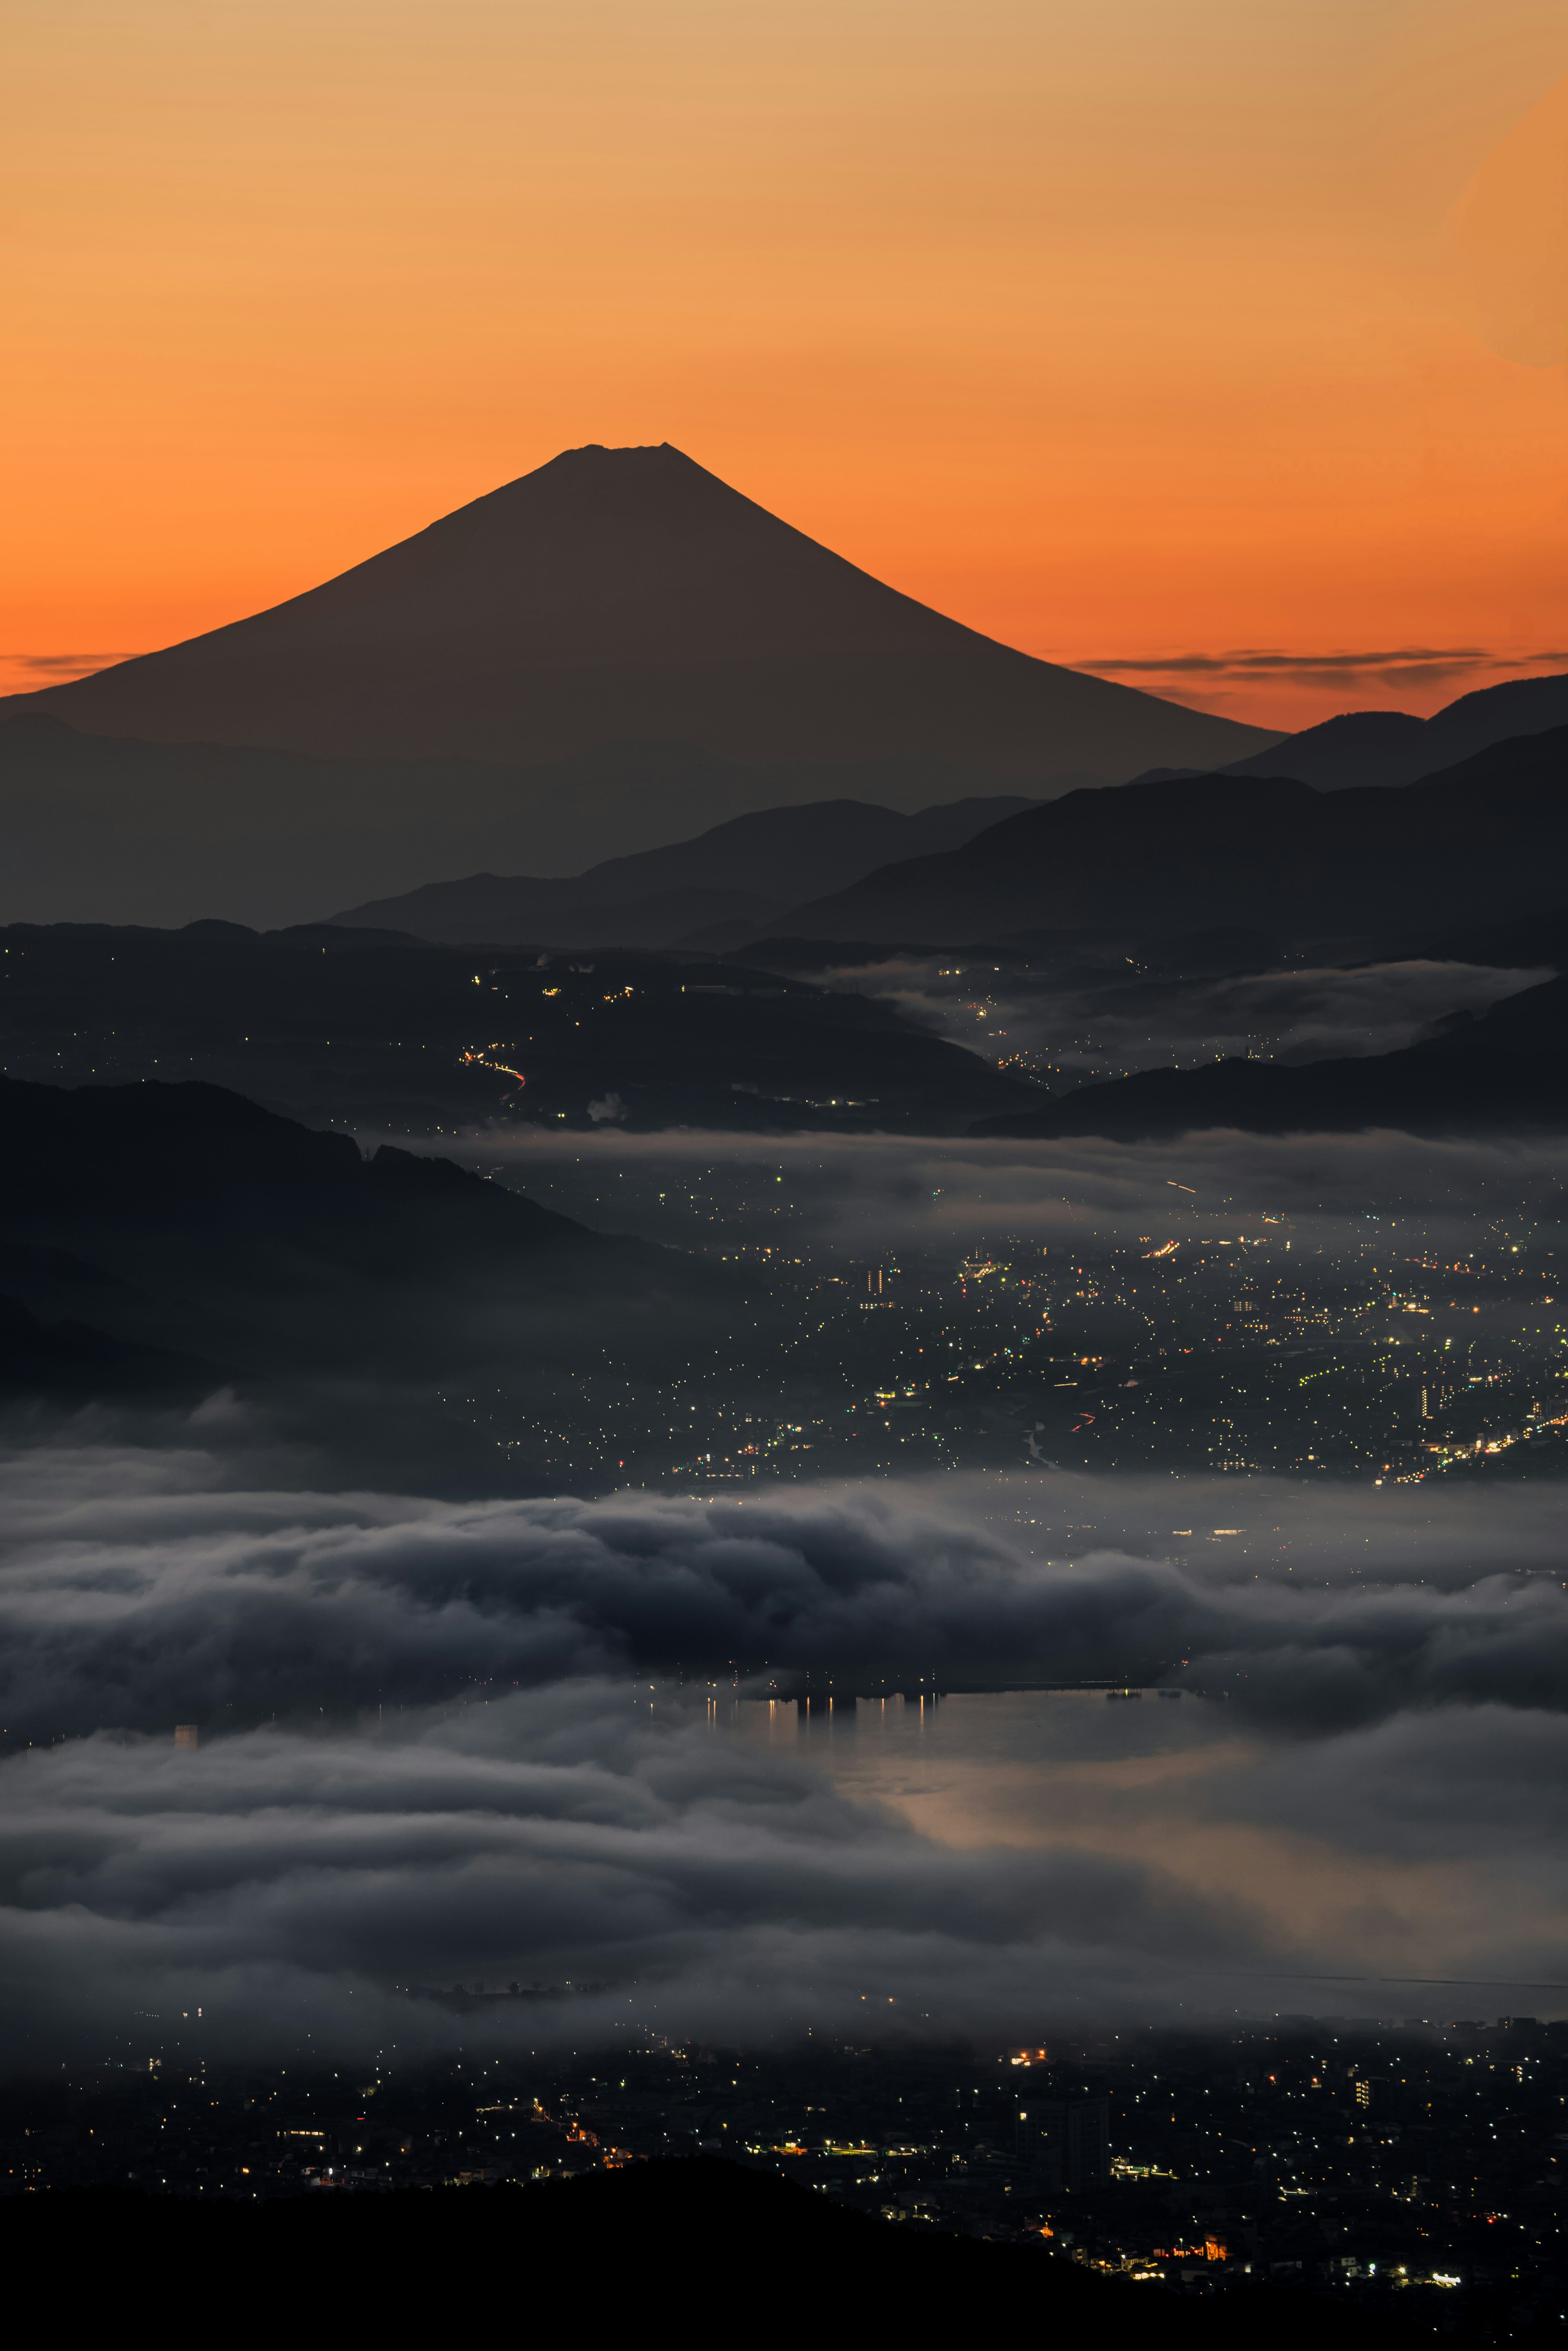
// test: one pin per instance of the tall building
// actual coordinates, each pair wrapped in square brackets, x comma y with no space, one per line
[187,1734]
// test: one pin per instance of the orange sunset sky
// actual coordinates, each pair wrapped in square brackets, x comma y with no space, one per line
[1219,343]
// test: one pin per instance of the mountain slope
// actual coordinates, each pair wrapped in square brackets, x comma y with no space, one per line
[752,866]
[393,1036]
[1481,840]
[247,1240]
[1390,746]
[1359,746]
[629,596]
[110,828]
[76,1361]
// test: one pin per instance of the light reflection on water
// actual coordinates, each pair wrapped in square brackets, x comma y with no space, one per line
[1011,1767]
[1261,1830]
[999,1726]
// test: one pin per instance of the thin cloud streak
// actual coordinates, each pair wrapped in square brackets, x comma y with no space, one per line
[1416,667]
[62,665]
[884,1191]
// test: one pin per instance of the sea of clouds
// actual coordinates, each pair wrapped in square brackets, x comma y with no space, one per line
[138,1588]
[456,1742]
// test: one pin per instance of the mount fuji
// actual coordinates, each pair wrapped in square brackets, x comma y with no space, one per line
[628,597]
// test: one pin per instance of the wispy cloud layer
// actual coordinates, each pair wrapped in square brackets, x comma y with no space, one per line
[886,1191]
[1105,1025]
[22,672]
[1416,666]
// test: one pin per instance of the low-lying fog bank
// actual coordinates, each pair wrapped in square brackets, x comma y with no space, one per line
[496,1755]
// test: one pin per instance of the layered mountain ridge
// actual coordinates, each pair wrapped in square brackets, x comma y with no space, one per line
[110,828]
[1479,840]
[1392,746]
[725,886]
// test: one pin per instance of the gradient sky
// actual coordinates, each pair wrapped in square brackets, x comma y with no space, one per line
[1220,343]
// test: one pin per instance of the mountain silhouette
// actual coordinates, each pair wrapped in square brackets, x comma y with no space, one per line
[390,1035]
[1390,746]
[736,873]
[1481,840]
[1358,747]
[111,828]
[627,596]
[215,1227]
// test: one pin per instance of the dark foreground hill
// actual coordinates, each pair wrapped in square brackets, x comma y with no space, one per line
[184,1219]
[621,596]
[1506,1071]
[74,1361]
[389,1035]
[1482,839]
[733,877]
[627,2253]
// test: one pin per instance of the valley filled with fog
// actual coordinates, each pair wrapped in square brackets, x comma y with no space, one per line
[1038,1581]
[1075,1026]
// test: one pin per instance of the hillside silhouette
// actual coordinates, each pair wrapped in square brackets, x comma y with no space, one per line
[1390,746]
[393,1036]
[622,597]
[735,875]
[389,2259]
[110,829]
[1481,840]
[187,1220]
